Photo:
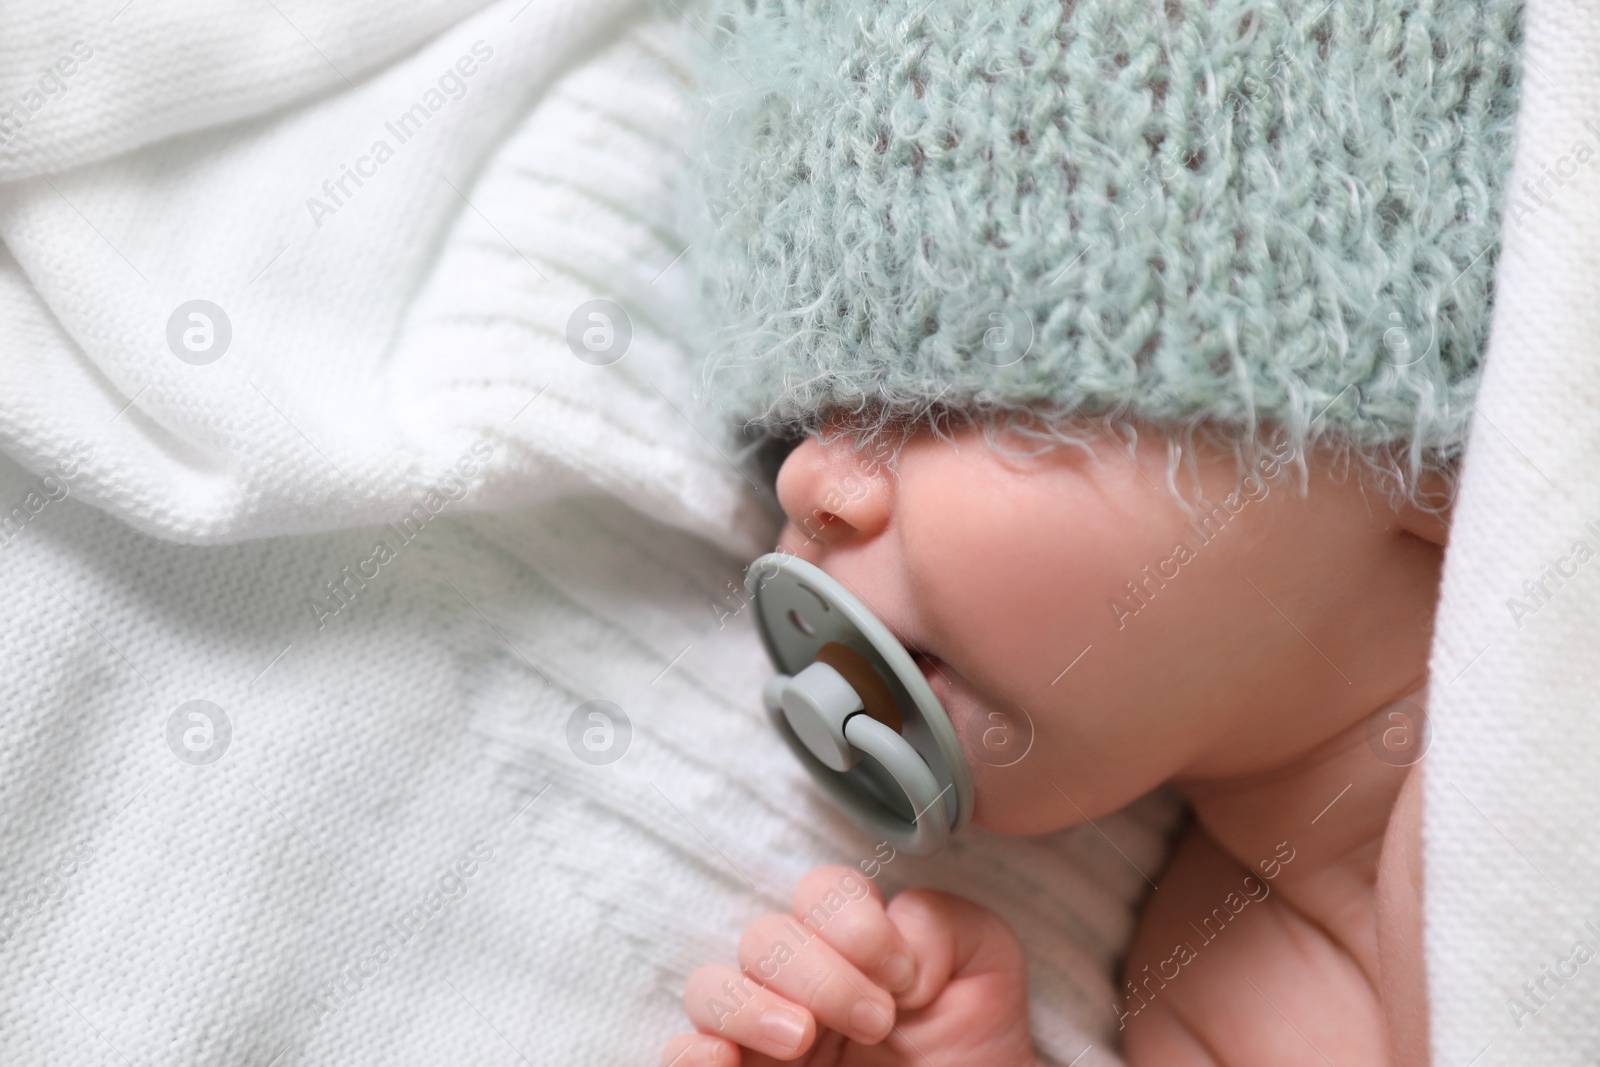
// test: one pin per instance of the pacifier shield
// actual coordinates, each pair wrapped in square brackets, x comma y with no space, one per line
[910,783]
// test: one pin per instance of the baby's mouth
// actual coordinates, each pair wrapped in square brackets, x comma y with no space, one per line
[995,732]
[937,673]
[928,664]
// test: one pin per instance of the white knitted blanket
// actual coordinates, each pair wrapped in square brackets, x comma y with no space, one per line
[316,532]
[1512,783]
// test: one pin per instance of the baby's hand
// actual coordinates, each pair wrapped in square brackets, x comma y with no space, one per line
[845,981]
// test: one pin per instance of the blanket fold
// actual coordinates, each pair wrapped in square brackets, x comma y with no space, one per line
[81,82]
[305,319]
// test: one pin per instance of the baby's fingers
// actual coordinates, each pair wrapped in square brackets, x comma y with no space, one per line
[846,908]
[723,1002]
[794,962]
[955,938]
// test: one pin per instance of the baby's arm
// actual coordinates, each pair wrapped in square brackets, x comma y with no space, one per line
[928,979]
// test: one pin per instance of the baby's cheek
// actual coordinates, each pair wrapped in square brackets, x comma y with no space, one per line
[1012,575]
[1008,571]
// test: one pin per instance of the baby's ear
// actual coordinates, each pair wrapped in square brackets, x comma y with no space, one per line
[1430,524]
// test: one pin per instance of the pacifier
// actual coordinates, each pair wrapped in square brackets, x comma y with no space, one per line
[856,709]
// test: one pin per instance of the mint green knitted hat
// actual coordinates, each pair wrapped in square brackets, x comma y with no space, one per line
[1247,213]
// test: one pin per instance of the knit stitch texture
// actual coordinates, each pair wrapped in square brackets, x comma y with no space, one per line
[1241,212]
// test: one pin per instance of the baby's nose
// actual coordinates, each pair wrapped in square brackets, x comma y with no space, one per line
[832,492]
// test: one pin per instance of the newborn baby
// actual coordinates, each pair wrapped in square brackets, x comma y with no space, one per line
[1254,675]
[1172,314]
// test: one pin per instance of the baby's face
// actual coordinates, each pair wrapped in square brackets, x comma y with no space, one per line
[1143,645]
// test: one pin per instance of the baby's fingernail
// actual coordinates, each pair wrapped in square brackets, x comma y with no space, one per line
[870,1022]
[782,1028]
[897,973]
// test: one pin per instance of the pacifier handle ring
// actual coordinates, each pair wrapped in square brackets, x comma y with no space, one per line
[910,773]
[929,832]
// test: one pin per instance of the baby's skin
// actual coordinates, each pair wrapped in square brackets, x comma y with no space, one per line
[1256,669]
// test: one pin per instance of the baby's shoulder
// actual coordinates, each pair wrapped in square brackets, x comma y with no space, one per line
[1225,970]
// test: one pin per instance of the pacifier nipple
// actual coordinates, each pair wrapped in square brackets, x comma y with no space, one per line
[876,700]
[819,701]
